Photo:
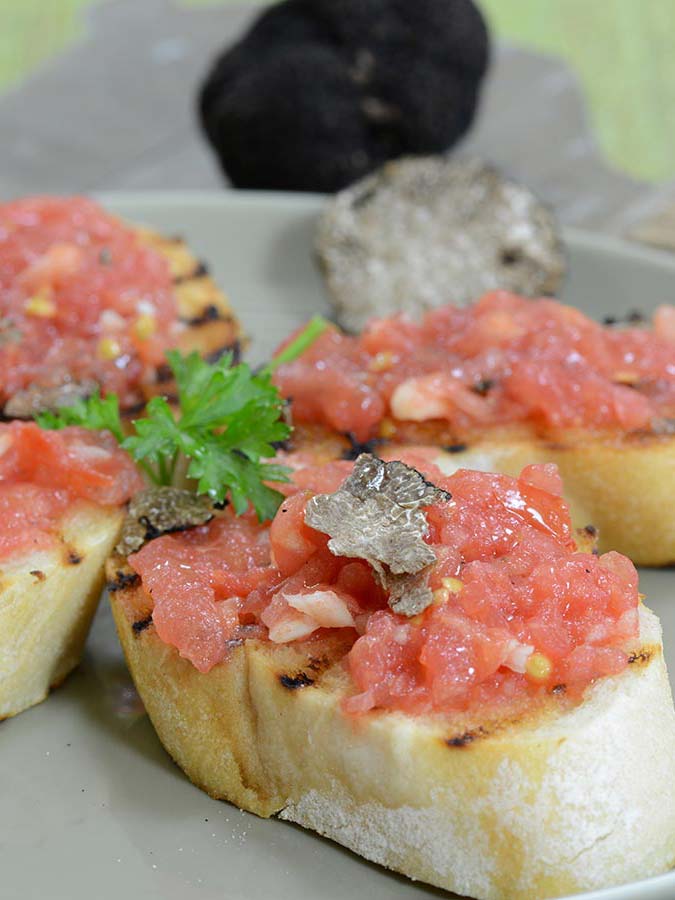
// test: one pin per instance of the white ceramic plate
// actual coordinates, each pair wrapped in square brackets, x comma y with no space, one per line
[90,804]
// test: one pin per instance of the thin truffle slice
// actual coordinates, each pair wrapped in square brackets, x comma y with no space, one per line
[160,510]
[377,515]
[422,232]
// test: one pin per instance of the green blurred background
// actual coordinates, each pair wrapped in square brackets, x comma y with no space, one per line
[623,52]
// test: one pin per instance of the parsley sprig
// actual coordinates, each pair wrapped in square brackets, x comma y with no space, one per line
[228,420]
[94,412]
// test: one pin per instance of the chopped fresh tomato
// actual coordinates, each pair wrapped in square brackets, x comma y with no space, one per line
[43,472]
[198,579]
[504,360]
[82,298]
[517,608]
[293,542]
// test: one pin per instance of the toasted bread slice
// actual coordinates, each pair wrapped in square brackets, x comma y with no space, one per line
[624,486]
[47,601]
[516,804]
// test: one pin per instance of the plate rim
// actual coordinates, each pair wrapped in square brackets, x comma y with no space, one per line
[606,242]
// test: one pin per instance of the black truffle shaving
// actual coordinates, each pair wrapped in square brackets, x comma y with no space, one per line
[356,448]
[317,94]
[455,448]
[160,510]
[377,515]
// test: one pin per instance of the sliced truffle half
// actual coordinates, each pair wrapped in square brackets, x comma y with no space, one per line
[425,231]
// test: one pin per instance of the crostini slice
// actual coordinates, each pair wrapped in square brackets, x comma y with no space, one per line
[511,785]
[510,381]
[517,808]
[59,252]
[47,601]
[62,496]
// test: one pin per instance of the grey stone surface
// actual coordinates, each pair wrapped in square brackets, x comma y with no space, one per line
[117,109]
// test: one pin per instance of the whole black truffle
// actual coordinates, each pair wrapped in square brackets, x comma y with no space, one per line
[320,92]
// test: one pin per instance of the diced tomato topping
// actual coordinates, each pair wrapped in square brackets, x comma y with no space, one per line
[340,393]
[81,298]
[386,667]
[29,515]
[459,654]
[506,359]
[43,472]
[664,323]
[198,580]
[546,477]
[517,610]
[293,542]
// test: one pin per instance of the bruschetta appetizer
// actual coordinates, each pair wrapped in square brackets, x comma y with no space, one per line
[87,302]
[510,381]
[434,671]
[62,497]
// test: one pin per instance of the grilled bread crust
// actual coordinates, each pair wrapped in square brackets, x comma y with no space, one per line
[624,485]
[47,601]
[212,328]
[514,805]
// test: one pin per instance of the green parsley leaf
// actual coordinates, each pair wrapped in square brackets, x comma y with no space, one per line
[228,420]
[245,478]
[95,413]
[315,327]
[227,423]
